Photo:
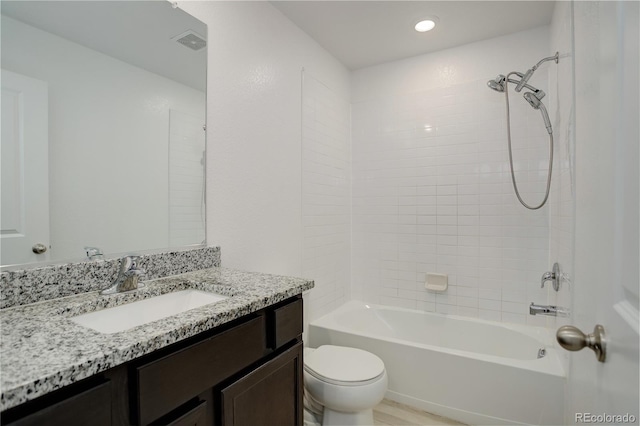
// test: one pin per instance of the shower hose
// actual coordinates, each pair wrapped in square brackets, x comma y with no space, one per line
[513,176]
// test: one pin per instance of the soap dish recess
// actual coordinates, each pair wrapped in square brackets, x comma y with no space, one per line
[436,282]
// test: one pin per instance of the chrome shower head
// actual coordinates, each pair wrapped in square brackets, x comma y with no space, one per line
[534,100]
[497,84]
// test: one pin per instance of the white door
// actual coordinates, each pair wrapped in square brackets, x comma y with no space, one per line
[607,210]
[24,156]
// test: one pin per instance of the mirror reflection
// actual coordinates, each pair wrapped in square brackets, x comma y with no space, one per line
[103,141]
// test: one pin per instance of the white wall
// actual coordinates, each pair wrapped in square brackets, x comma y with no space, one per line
[431,184]
[254,133]
[112,112]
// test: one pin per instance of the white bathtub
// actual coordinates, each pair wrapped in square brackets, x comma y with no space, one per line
[473,371]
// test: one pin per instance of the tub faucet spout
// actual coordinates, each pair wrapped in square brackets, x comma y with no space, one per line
[550,310]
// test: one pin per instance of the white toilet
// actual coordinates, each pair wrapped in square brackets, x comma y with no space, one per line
[342,385]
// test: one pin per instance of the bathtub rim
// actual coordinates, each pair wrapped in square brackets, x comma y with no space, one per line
[550,364]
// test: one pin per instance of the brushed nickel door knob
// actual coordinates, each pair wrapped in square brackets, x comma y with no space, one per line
[572,339]
[39,248]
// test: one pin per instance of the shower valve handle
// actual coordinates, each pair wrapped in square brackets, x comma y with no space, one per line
[547,276]
[553,276]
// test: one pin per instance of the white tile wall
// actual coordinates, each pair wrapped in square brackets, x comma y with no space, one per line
[326,195]
[432,193]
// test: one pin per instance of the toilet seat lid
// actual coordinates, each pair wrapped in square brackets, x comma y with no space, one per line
[344,365]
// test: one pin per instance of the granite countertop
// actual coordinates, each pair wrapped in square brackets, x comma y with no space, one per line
[41,350]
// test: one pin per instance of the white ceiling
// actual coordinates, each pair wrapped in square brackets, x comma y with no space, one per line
[365,33]
[136,32]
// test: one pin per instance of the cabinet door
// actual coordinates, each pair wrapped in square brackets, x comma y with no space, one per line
[194,414]
[90,407]
[269,395]
[169,382]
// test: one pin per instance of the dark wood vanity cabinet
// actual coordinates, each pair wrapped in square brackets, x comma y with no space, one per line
[247,372]
[90,404]
[257,398]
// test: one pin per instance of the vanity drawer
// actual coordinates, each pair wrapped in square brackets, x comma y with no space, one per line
[286,323]
[168,382]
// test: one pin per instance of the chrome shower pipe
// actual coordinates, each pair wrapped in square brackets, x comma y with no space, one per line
[550,58]
[527,75]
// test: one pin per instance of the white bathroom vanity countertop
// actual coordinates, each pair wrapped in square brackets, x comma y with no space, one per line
[42,350]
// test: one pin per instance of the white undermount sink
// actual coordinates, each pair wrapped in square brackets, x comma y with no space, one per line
[124,317]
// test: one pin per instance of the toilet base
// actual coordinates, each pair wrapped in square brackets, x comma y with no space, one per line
[335,418]
[311,419]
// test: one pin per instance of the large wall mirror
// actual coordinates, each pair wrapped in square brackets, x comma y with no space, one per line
[103,141]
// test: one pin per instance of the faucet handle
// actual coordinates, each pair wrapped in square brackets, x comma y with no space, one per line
[132,267]
[128,262]
[553,276]
[547,276]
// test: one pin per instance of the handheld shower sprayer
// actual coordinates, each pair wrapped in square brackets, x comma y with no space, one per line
[534,98]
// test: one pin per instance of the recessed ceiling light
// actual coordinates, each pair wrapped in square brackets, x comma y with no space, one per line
[426,25]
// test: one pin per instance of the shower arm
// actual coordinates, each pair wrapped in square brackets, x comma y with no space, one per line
[550,58]
[524,78]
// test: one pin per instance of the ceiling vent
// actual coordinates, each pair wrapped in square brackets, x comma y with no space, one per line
[191,39]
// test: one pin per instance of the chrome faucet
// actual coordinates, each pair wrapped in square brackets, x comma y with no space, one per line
[127,279]
[550,310]
[553,276]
